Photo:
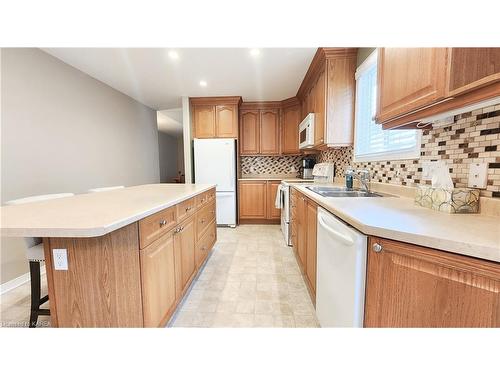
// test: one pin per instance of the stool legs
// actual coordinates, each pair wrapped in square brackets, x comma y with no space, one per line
[36,301]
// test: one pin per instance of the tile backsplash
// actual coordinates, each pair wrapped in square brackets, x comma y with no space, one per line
[270,165]
[472,137]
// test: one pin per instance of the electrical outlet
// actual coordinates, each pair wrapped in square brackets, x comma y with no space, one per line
[60,259]
[478,175]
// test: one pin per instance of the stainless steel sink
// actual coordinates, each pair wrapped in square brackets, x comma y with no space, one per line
[329,192]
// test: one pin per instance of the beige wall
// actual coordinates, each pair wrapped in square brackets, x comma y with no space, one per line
[63,131]
[363,53]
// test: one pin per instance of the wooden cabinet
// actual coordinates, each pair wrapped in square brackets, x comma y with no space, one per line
[252,199]
[272,190]
[203,219]
[158,281]
[250,132]
[303,218]
[226,121]
[290,129]
[471,68]
[257,201]
[259,130]
[418,83]
[269,132]
[154,226]
[409,78]
[311,245]
[328,91]
[215,117]
[206,243]
[204,121]
[413,286]
[184,248]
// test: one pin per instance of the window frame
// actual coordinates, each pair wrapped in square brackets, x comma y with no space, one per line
[413,153]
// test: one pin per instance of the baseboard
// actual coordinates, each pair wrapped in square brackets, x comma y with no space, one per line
[260,221]
[18,281]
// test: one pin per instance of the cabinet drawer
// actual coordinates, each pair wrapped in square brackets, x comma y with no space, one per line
[185,209]
[204,198]
[153,226]
[205,244]
[203,219]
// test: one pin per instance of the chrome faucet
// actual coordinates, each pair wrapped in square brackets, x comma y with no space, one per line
[363,175]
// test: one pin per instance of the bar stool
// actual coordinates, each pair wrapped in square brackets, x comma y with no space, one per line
[35,255]
[100,190]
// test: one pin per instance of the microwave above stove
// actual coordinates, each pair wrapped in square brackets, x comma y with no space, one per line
[306,132]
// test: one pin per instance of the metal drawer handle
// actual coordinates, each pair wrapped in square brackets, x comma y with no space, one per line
[188,208]
[163,222]
[377,247]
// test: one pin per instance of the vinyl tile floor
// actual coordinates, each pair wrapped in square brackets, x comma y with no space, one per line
[251,279]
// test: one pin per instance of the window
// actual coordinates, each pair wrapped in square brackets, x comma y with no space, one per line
[371,142]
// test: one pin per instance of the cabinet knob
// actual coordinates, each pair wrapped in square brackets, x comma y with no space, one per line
[163,222]
[377,247]
[188,209]
[202,221]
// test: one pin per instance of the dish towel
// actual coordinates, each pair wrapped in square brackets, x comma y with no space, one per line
[277,201]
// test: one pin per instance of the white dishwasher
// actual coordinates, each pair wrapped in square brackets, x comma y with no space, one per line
[341,271]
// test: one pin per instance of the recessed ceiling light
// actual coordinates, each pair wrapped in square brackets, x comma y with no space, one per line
[203,83]
[173,55]
[255,52]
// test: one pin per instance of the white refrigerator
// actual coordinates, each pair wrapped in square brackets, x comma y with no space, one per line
[215,163]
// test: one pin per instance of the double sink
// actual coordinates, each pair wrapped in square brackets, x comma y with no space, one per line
[334,192]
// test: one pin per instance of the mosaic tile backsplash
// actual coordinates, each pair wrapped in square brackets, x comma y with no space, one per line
[270,165]
[472,137]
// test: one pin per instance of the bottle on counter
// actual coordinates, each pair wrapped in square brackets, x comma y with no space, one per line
[349,177]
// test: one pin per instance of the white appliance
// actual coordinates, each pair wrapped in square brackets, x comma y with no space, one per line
[341,270]
[215,163]
[306,132]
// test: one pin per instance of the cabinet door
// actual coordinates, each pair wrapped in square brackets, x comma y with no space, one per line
[206,243]
[408,79]
[269,132]
[272,189]
[253,199]
[311,224]
[204,121]
[249,133]
[290,138]
[158,280]
[226,121]
[302,232]
[184,246]
[319,110]
[412,286]
[471,68]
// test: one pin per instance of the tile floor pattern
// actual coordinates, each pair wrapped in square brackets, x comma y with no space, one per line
[251,279]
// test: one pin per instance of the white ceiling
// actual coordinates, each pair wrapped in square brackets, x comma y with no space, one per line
[150,76]
[170,121]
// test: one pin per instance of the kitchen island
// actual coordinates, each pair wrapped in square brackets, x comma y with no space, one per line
[131,253]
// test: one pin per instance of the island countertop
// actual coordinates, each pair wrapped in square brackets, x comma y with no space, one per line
[94,214]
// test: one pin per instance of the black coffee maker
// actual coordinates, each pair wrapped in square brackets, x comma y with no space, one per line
[307,168]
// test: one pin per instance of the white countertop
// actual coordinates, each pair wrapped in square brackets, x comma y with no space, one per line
[400,219]
[95,214]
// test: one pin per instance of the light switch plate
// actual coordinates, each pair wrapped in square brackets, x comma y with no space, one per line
[60,258]
[478,175]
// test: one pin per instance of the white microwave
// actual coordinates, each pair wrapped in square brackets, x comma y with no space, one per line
[306,132]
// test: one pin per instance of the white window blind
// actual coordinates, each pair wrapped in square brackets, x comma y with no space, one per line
[371,142]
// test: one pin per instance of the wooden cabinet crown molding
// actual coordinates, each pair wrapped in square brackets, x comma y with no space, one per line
[260,105]
[318,64]
[214,100]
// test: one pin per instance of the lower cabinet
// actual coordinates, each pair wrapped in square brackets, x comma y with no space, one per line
[158,280]
[257,201]
[184,248]
[169,264]
[413,286]
[304,229]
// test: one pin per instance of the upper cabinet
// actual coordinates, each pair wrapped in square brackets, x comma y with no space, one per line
[418,85]
[215,117]
[291,117]
[328,91]
[260,128]
[409,78]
